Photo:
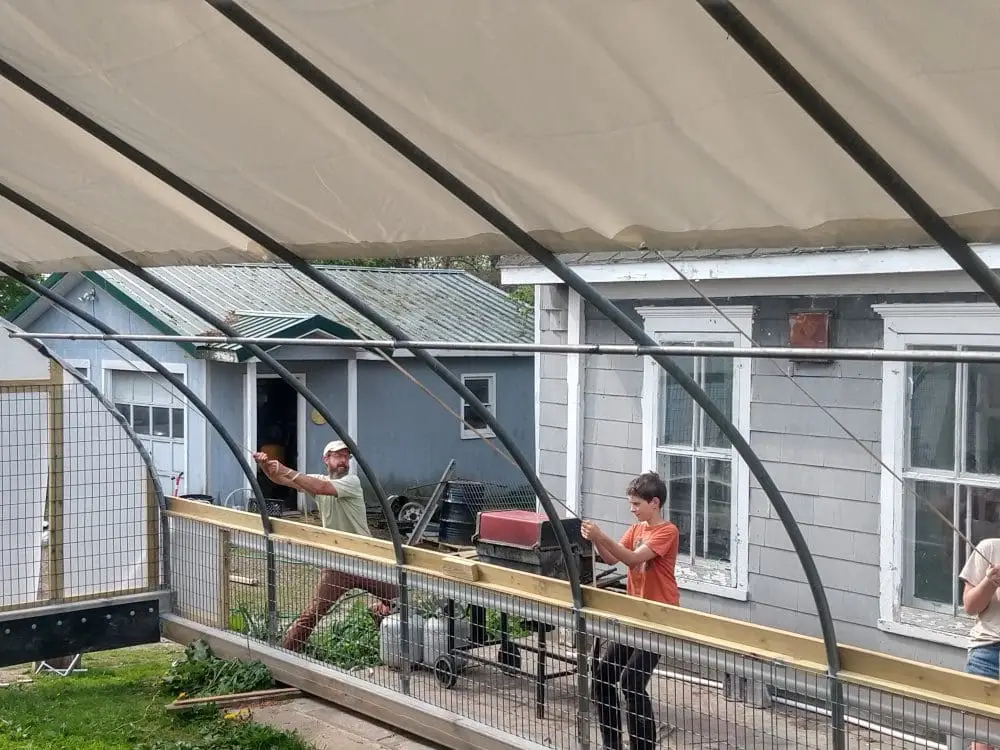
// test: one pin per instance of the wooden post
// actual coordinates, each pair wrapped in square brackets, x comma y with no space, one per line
[225,568]
[56,483]
[153,547]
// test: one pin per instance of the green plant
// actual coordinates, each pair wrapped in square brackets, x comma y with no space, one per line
[249,622]
[350,641]
[515,625]
[202,673]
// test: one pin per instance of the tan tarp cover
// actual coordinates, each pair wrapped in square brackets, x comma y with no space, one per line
[595,123]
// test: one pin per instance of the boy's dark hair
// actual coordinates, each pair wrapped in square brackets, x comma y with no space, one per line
[647,486]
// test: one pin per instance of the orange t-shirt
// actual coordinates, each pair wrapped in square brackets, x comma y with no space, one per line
[654,579]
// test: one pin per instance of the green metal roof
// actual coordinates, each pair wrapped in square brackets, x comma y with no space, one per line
[271,300]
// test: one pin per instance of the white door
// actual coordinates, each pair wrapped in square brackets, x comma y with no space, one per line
[158,414]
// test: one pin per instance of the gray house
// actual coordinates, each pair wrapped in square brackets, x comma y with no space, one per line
[406,435]
[890,566]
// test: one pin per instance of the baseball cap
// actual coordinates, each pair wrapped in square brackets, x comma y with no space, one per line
[334,446]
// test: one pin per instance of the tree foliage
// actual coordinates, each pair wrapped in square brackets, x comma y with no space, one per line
[11,293]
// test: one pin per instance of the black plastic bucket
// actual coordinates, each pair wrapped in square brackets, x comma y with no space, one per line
[457,523]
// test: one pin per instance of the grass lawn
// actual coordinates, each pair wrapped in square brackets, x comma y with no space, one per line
[118,704]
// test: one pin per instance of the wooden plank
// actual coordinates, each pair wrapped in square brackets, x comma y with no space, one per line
[153,549]
[56,509]
[243,580]
[27,386]
[236,699]
[460,568]
[919,680]
[368,699]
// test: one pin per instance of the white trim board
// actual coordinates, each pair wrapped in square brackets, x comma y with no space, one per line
[537,376]
[575,324]
[352,406]
[776,266]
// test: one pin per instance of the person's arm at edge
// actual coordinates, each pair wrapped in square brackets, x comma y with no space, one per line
[609,547]
[278,473]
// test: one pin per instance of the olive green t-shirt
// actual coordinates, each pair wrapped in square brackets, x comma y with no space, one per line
[344,511]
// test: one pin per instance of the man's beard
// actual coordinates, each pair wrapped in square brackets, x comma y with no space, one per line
[336,473]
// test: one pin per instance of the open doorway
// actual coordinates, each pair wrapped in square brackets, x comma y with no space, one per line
[278,434]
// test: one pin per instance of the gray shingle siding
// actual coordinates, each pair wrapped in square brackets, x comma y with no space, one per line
[830,483]
[552,307]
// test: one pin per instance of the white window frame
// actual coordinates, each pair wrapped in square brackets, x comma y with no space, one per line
[906,325]
[730,580]
[110,366]
[491,404]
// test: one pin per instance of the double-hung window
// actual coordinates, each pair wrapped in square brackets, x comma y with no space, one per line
[707,485]
[941,440]
[484,388]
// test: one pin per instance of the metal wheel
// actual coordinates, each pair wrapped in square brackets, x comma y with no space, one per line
[410,513]
[446,671]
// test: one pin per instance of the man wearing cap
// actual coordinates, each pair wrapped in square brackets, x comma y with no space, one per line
[341,504]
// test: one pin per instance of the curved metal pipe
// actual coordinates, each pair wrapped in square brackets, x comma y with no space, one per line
[193,399]
[460,190]
[182,299]
[161,501]
[106,252]
[279,250]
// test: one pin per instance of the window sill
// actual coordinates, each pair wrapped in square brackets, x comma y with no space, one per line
[709,579]
[928,626]
[465,435]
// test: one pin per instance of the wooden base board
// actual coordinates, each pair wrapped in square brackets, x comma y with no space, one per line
[380,704]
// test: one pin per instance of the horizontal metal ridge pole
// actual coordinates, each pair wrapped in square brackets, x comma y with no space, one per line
[757,352]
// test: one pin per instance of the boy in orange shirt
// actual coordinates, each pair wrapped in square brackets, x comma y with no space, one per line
[649,550]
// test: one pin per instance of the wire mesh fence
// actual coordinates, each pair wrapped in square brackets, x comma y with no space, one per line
[79,518]
[518,665]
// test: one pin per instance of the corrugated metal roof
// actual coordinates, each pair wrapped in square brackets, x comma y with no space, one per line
[427,304]
[261,325]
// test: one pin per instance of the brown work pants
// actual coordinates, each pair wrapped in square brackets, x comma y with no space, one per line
[331,586]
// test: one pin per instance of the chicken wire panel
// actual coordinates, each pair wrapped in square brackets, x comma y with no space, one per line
[468,651]
[197,566]
[110,518]
[24,480]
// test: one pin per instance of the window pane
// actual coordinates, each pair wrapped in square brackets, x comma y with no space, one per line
[932,415]
[178,417]
[161,421]
[982,430]
[980,515]
[930,541]
[717,379]
[480,388]
[126,410]
[472,419]
[714,485]
[140,419]
[676,408]
[676,472]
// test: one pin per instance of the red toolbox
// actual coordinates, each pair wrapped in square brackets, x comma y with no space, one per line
[525,540]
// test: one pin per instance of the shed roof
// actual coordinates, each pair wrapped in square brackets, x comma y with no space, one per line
[269,300]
